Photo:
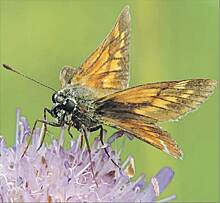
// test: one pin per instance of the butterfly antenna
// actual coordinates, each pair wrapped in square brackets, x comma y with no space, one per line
[8,67]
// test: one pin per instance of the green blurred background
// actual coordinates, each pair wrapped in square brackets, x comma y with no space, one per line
[171,40]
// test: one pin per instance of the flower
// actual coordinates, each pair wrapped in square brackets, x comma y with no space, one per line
[55,174]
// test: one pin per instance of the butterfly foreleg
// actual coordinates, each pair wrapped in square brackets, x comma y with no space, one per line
[45,123]
[45,118]
[44,130]
[81,141]
[69,130]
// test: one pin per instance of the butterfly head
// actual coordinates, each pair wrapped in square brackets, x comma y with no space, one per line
[64,104]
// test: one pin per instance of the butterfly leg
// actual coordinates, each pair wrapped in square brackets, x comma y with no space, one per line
[101,135]
[81,141]
[69,130]
[71,135]
[44,133]
[30,138]
[45,123]
[45,118]
[89,150]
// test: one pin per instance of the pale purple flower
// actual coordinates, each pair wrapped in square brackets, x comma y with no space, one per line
[55,174]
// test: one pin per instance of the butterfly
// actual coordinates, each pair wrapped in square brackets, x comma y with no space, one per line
[97,94]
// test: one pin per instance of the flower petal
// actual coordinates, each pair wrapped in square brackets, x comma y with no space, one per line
[56,174]
[158,183]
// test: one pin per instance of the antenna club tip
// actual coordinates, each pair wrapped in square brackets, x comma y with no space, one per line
[6,66]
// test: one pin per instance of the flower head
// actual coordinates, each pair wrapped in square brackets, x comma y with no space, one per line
[55,174]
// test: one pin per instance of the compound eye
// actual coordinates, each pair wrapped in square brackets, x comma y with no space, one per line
[59,98]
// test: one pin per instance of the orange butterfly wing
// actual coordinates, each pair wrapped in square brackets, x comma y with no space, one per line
[150,133]
[161,101]
[138,110]
[106,70]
